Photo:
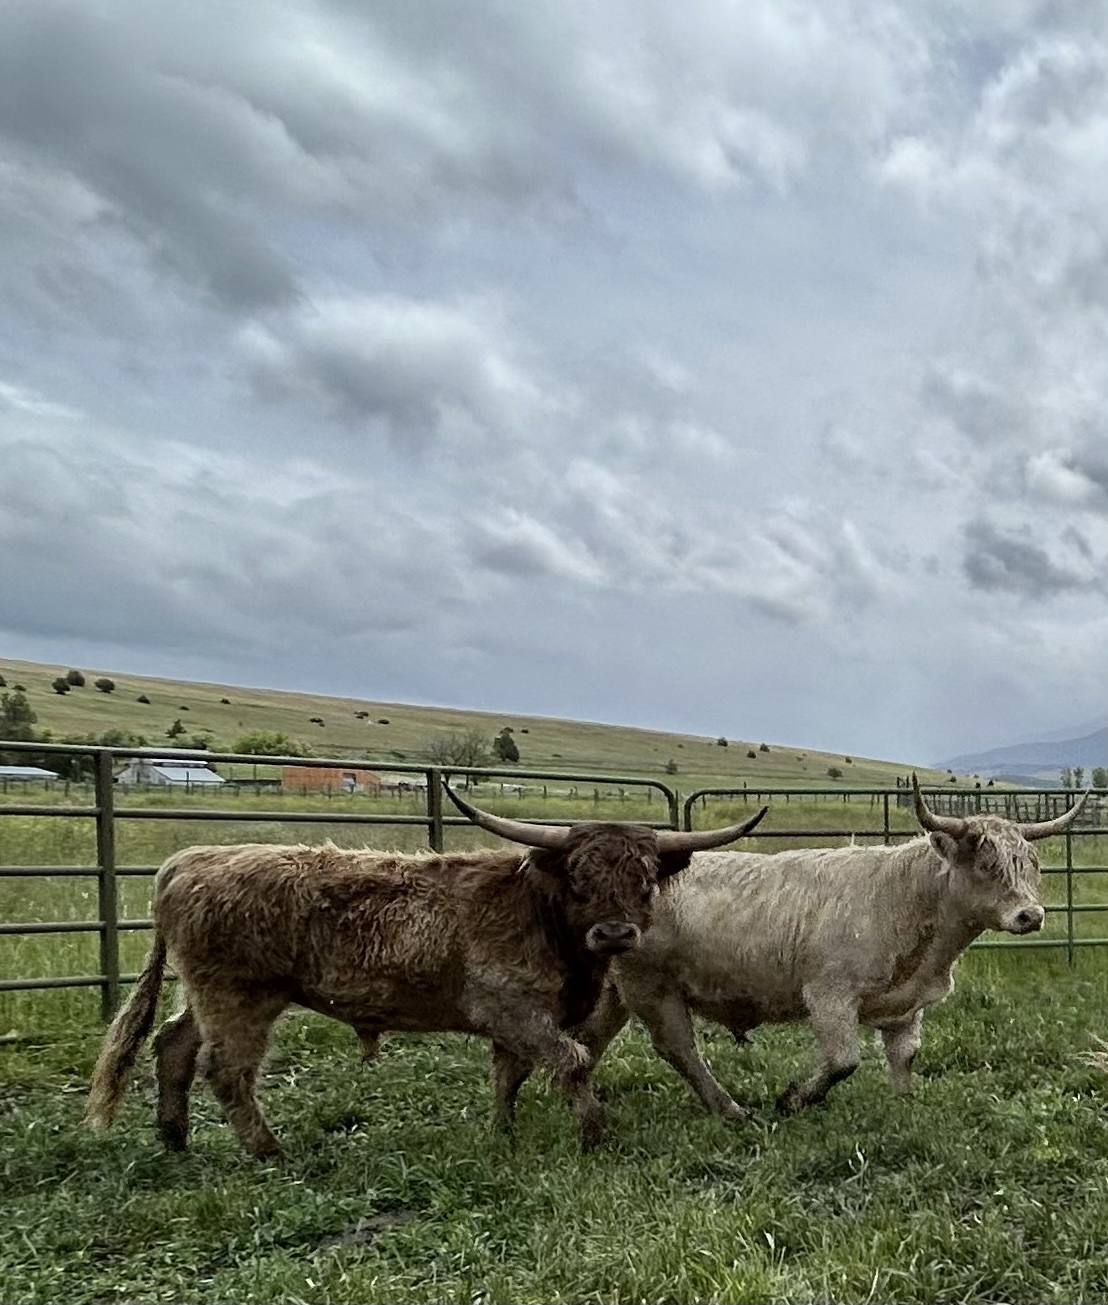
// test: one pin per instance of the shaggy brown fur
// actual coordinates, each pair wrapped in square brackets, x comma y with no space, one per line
[511,945]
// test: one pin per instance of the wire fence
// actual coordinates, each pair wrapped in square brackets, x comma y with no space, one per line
[868,815]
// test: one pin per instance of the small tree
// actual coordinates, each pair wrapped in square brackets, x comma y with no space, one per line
[226,702]
[60,684]
[849,760]
[76,679]
[504,746]
[1100,777]
[1078,776]
[143,698]
[763,747]
[175,730]
[1067,777]
[721,742]
[752,754]
[104,684]
[268,743]
[459,748]
[670,767]
[17,717]
[3,683]
[835,772]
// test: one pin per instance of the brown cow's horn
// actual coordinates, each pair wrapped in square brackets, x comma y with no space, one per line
[955,826]
[1044,828]
[518,831]
[700,840]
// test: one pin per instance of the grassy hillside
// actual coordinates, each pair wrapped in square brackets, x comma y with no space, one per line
[397,732]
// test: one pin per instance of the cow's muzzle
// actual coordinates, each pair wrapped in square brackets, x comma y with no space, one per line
[612,936]
[1028,919]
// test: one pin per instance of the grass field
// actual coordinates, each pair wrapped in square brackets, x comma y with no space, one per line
[991,1184]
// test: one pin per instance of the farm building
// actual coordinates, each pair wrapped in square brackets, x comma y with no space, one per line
[170,772]
[28,773]
[328,779]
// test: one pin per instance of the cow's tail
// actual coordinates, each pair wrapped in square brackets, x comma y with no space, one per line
[128,1031]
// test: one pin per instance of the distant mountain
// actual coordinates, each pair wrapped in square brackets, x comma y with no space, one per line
[1041,758]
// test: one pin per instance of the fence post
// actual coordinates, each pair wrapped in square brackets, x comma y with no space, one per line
[107,899]
[885,807]
[434,811]
[1069,897]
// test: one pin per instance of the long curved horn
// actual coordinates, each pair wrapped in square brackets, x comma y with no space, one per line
[518,831]
[955,826]
[1044,828]
[700,840]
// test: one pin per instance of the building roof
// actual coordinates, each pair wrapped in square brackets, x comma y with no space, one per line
[177,771]
[26,772]
[189,774]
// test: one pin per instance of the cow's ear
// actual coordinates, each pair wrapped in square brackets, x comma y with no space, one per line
[671,863]
[950,848]
[553,863]
[946,846]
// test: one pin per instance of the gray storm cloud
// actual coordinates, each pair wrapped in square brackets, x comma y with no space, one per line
[463,354]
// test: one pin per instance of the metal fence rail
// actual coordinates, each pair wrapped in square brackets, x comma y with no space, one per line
[106,813]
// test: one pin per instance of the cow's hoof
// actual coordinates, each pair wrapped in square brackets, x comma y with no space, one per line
[790,1101]
[175,1137]
[593,1135]
[270,1153]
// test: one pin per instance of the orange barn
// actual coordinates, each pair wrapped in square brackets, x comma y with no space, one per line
[328,779]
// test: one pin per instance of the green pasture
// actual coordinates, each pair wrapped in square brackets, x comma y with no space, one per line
[989,1185]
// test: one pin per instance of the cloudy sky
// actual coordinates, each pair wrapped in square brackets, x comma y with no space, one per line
[738,366]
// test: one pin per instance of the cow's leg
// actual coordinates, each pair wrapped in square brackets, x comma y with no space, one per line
[607,1019]
[835,1025]
[235,1026]
[369,1039]
[670,1026]
[176,1047]
[508,1075]
[529,1035]
[902,1041]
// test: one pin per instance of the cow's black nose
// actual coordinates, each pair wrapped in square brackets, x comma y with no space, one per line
[1029,919]
[612,936]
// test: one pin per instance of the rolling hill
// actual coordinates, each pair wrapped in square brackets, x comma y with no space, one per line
[388,732]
